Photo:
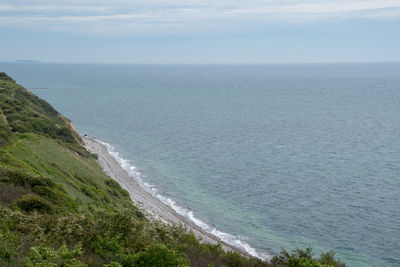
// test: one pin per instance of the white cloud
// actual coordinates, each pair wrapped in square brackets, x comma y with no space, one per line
[123,15]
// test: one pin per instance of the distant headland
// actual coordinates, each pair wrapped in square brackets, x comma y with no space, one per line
[27,61]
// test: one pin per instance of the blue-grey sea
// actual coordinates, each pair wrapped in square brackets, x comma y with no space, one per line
[266,156]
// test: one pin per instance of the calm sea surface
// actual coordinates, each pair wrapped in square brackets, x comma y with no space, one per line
[275,155]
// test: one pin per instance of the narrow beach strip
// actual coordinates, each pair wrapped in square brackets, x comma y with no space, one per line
[148,202]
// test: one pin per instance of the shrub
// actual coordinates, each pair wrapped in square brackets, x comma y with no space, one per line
[328,258]
[159,255]
[125,192]
[45,191]
[111,183]
[303,258]
[8,246]
[106,246]
[234,259]
[23,178]
[44,256]
[66,135]
[34,203]
[5,77]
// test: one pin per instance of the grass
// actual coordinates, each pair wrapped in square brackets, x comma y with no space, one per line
[78,175]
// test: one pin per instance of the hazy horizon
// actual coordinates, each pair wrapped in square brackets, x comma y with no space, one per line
[200,32]
[34,61]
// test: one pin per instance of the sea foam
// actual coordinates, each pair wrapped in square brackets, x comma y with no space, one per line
[138,176]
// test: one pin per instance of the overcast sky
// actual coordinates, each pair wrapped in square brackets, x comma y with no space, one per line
[200,31]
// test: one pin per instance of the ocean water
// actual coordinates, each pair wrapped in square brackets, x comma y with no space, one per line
[265,156]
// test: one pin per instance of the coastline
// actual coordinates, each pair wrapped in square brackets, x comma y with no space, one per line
[150,204]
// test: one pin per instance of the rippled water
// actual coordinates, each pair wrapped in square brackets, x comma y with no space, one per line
[276,155]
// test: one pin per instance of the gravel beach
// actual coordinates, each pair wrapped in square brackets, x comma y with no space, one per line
[152,206]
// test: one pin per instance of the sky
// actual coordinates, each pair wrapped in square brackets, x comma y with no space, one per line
[200,31]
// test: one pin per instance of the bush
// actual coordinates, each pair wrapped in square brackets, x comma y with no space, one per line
[106,246]
[44,256]
[45,191]
[66,135]
[159,255]
[5,77]
[30,203]
[328,258]
[234,259]
[303,258]
[23,178]
[111,183]
[8,246]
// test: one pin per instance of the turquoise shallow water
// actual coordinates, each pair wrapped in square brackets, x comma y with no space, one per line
[276,155]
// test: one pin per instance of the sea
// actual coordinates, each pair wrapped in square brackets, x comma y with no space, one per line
[263,156]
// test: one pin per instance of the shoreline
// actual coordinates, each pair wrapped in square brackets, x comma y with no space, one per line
[154,208]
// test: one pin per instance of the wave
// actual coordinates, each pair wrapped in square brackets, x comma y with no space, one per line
[225,237]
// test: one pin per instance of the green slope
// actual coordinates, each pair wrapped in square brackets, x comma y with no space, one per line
[58,208]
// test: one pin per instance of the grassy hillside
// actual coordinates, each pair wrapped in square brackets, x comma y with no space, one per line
[57,207]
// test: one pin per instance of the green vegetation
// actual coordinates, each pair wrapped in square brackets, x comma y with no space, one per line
[58,208]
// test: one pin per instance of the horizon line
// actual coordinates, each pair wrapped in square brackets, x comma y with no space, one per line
[29,61]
